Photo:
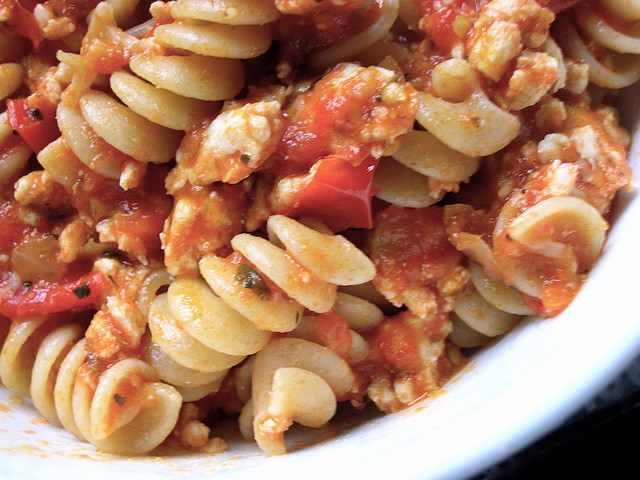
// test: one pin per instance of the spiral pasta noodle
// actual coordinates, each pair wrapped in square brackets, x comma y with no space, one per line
[487,308]
[294,380]
[163,93]
[202,327]
[41,359]
[18,354]
[13,151]
[610,25]
[271,207]
[440,169]
[232,29]
[565,232]
[51,358]
[353,316]
[576,240]
[86,127]
[111,416]
[185,317]
[476,114]
[305,251]
[175,90]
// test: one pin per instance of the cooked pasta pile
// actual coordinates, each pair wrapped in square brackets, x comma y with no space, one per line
[267,207]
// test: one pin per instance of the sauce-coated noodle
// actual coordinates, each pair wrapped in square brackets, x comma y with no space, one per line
[269,207]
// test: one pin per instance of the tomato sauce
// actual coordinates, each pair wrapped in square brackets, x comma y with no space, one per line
[25,22]
[138,213]
[332,109]
[395,354]
[441,17]
[34,121]
[338,193]
[396,342]
[333,332]
[411,246]
[330,140]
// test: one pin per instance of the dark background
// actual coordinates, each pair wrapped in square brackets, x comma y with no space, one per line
[601,439]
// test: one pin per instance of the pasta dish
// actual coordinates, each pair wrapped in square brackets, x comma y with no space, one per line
[265,208]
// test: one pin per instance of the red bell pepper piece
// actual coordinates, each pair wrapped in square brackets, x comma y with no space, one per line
[36,126]
[24,20]
[43,299]
[337,193]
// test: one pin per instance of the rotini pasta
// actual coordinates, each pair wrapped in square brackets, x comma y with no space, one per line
[486,309]
[81,111]
[111,418]
[295,380]
[476,115]
[202,327]
[300,271]
[420,152]
[614,63]
[41,360]
[267,208]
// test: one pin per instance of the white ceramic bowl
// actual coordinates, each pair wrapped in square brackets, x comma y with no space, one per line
[513,393]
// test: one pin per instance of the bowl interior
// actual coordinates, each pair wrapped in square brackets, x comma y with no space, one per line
[512,393]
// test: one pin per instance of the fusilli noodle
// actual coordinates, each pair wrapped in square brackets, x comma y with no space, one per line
[269,207]
[294,380]
[41,360]
[610,26]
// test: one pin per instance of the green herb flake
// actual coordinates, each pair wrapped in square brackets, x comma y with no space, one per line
[245,157]
[250,279]
[119,399]
[82,291]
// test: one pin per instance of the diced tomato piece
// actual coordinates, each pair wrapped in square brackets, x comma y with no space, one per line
[37,126]
[397,344]
[26,24]
[333,332]
[440,19]
[410,246]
